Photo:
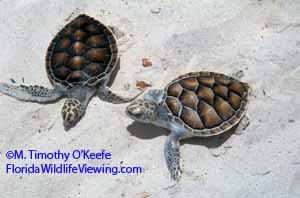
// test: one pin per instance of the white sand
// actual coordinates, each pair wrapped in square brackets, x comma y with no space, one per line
[261,38]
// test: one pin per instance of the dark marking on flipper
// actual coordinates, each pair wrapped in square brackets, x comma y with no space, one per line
[108,96]
[31,93]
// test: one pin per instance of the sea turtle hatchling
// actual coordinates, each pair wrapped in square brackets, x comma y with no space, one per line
[79,64]
[195,104]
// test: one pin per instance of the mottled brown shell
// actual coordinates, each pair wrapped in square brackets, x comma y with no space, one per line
[82,53]
[206,103]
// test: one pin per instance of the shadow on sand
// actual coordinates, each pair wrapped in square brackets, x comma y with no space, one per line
[150,131]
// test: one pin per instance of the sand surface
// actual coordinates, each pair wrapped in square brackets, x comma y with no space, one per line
[256,40]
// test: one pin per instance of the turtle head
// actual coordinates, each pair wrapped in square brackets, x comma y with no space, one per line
[146,110]
[142,111]
[72,111]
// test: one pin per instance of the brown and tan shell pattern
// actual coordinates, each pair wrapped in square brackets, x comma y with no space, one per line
[82,53]
[206,103]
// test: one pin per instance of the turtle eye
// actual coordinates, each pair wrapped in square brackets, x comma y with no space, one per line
[152,108]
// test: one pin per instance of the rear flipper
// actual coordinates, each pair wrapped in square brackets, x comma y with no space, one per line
[105,94]
[31,93]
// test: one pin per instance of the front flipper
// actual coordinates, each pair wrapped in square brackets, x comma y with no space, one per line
[105,94]
[172,155]
[31,93]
